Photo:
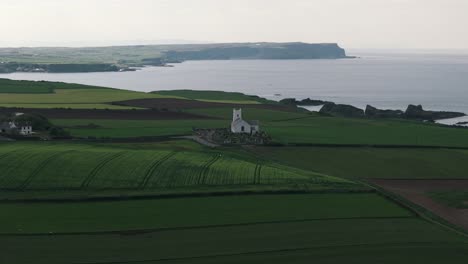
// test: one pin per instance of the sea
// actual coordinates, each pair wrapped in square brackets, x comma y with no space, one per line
[388,80]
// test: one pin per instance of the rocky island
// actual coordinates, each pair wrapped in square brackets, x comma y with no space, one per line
[415,112]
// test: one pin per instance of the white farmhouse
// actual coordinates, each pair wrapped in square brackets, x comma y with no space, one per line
[240,125]
[13,128]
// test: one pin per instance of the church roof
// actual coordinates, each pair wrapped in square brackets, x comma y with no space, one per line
[253,122]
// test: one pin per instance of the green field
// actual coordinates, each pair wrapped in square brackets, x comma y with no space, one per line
[31,94]
[74,96]
[397,163]
[327,228]
[332,130]
[135,128]
[96,167]
[41,87]
[311,128]
[286,128]
[214,96]
[378,232]
[192,212]
[455,199]
[329,241]
[175,201]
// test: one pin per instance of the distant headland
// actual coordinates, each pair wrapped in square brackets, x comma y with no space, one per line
[128,58]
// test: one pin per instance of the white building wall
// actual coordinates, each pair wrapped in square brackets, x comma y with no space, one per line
[240,126]
[26,130]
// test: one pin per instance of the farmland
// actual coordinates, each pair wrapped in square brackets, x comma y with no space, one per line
[369,241]
[386,163]
[296,128]
[157,198]
[89,167]
[332,130]
[172,213]
[456,199]
[214,96]
[252,229]
[134,128]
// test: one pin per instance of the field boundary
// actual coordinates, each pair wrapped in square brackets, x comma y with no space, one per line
[214,193]
[133,232]
[422,212]
[389,146]
[281,250]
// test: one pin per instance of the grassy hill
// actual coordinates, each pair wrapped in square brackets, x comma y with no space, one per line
[86,167]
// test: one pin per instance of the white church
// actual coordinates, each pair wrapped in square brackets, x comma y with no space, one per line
[239,125]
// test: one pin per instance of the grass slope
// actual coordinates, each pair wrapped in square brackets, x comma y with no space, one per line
[34,166]
[75,96]
[41,94]
[38,87]
[214,96]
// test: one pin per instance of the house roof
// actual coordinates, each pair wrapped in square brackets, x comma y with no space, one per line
[5,125]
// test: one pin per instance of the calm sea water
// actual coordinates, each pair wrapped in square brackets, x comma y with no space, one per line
[437,81]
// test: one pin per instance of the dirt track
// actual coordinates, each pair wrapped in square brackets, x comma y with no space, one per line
[105,114]
[175,104]
[415,191]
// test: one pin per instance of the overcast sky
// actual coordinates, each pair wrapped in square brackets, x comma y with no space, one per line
[387,24]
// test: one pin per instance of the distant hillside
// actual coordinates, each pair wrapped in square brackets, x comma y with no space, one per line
[118,58]
[260,51]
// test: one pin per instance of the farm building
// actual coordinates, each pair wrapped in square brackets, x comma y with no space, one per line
[13,128]
[239,125]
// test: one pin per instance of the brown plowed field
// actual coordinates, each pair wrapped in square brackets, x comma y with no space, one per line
[175,104]
[105,114]
[416,192]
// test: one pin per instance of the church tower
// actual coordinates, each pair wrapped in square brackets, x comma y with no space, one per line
[236,114]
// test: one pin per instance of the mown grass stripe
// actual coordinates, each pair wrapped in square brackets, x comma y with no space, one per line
[96,169]
[149,174]
[259,173]
[36,171]
[206,168]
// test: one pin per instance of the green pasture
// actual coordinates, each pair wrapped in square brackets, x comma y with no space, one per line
[34,166]
[38,87]
[214,96]
[361,240]
[135,128]
[455,199]
[75,96]
[387,163]
[332,130]
[286,128]
[191,212]
[70,106]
